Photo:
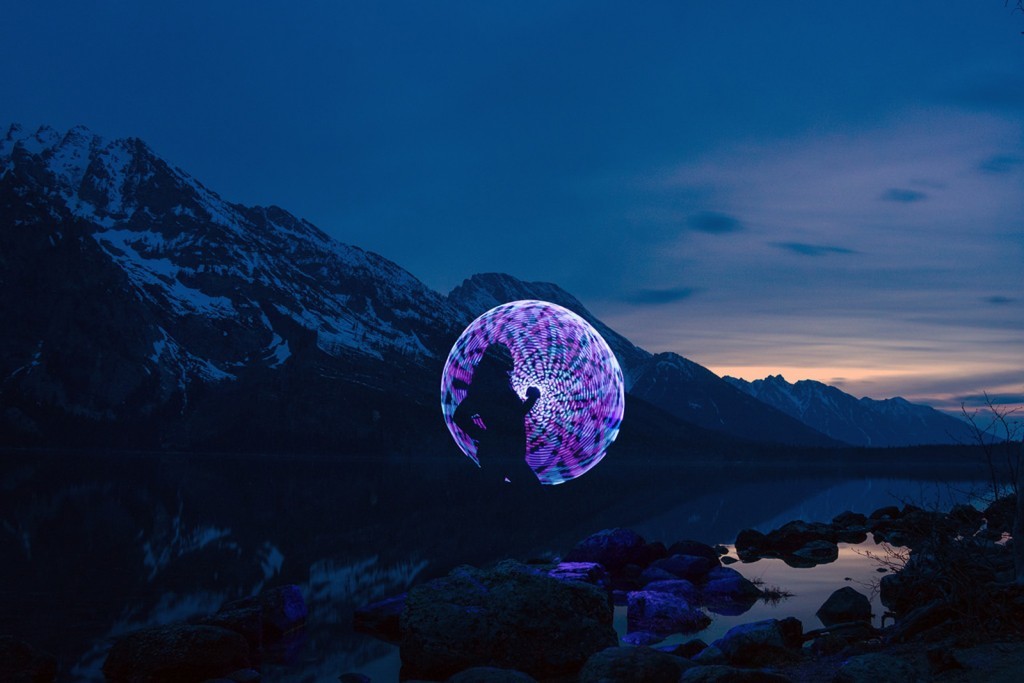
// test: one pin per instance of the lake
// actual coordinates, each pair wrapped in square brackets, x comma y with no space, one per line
[98,544]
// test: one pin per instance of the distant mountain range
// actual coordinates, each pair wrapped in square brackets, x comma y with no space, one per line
[142,310]
[861,422]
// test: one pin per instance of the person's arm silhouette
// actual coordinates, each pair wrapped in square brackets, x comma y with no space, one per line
[532,394]
[464,419]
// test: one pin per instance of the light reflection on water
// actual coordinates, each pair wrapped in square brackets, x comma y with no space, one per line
[96,545]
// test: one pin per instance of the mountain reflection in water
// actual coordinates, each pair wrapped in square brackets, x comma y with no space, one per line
[96,545]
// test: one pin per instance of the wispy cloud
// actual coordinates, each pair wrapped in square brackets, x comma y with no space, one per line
[655,297]
[903,196]
[998,300]
[714,223]
[811,249]
[1001,164]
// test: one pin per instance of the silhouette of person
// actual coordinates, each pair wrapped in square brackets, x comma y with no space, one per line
[492,414]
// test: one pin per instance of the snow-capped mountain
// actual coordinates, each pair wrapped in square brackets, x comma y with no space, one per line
[487,290]
[129,289]
[862,422]
[678,386]
[142,309]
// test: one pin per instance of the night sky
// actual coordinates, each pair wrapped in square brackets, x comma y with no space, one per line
[833,191]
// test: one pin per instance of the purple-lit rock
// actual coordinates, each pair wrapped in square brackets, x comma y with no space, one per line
[689,567]
[681,588]
[612,548]
[659,612]
[587,572]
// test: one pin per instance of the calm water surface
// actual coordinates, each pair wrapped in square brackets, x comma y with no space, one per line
[95,545]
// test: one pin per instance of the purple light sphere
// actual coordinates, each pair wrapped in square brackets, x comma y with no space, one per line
[577,416]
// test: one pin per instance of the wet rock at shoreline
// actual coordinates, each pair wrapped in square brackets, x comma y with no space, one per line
[629,664]
[613,549]
[511,616]
[660,612]
[760,643]
[845,604]
[587,572]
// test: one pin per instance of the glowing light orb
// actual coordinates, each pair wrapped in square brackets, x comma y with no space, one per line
[578,413]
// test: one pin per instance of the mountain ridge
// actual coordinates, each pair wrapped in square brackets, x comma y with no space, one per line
[862,422]
[136,295]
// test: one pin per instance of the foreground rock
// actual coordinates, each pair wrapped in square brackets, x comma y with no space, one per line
[633,664]
[663,613]
[729,674]
[381,619]
[19,661]
[761,643]
[845,604]
[879,668]
[216,646]
[510,617]
[179,653]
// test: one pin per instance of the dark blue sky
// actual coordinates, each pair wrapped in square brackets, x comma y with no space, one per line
[833,191]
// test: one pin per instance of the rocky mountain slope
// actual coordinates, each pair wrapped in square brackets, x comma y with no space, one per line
[861,422]
[141,309]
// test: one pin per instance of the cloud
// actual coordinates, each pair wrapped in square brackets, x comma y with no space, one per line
[1003,91]
[897,194]
[657,297]
[1001,164]
[714,223]
[999,300]
[812,249]
[998,399]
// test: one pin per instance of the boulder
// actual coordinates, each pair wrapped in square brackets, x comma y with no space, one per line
[613,549]
[20,662]
[510,617]
[719,673]
[749,543]
[819,552]
[689,649]
[491,674]
[643,638]
[728,592]
[178,653]
[887,512]
[793,536]
[659,612]
[689,567]
[848,519]
[587,572]
[679,587]
[656,574]
[264,619]
[845,604]
[761,643]
[381,619]
[633,664]
[696,549]
[878,668]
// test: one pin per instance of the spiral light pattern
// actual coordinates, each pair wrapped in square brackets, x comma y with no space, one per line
[581,399]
